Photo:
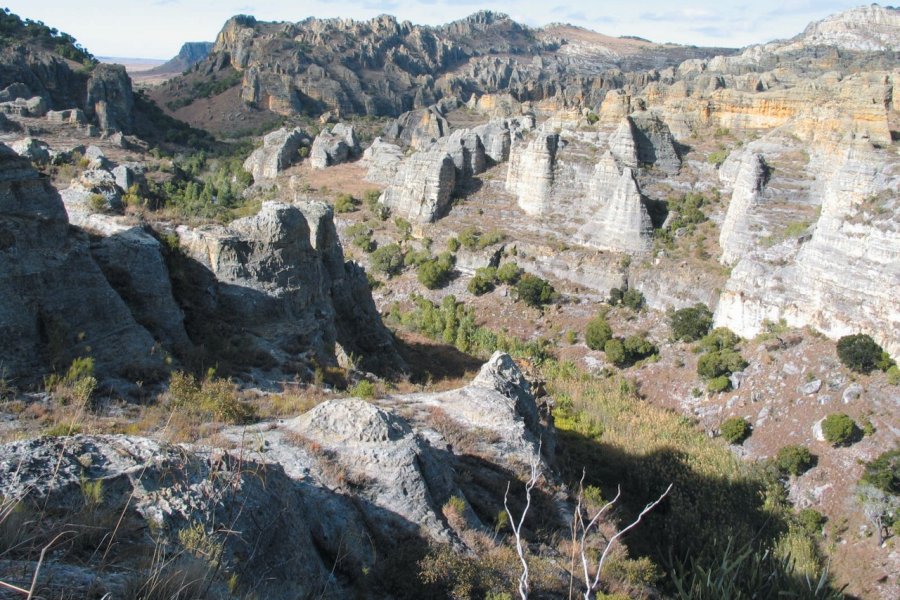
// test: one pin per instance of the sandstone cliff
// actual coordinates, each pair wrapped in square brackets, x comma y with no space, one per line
[422,187]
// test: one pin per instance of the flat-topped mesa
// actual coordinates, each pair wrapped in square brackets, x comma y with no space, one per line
[622,222]
[532,172]
[422,187]
[737,237]
[279,151]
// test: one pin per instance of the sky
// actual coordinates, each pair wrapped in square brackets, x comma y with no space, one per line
[157,28]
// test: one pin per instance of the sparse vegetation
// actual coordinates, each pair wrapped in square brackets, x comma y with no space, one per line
[387,259]
[345,203]
[794,459]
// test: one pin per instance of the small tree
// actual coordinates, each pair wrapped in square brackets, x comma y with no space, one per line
[388,260]
[862,354]
[633,299]
[535,291]
[597,333]
[839,429]
[615,352]
[880,507]
[509,273]
[884,472]
[692,323]
[345,203]
[735,430]
[435,273]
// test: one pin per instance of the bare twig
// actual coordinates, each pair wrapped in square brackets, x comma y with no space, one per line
[517,528]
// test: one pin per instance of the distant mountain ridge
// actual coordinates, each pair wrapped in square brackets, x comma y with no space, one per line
[190,54]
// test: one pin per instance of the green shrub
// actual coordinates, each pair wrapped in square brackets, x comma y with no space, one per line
[403,226]
[388,260]
[215,398]
[360,236]
[735,430]
[720,338]
[597,333]
[794,459]
[717,158]
[615,352]
[345,203]
[473,239]
[860,353]
[364,389]
[509,273]
[884,472]
[692,323]
[638,347]
[98,203]
[534,291]
[893,375]
[811,521]
[615,296]
[453,244]
[483,282]
[435,273]
[719,363]
[370,197]
[633,299]
[839,429]
[719,384]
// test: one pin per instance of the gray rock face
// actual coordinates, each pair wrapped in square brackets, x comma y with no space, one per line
[73,116]
[843,279]
[736,236]
[32,149]
[348,479]
[496,138]
[109,98]
[383,159]
[334,146]
[622,223]
[467,152]
[422,187]
[643,138]
[531,172]
[26,107]
[278,152]
[280,277]
[418,129]
[55,303]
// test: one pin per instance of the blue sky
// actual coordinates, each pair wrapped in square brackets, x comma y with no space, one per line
[157,28]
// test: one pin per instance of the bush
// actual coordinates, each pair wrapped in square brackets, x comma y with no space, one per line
[404,227]
[615,296]
[735,430]
[719,363]
[720,338]
[435,273]
[615,352]
[509,273]
[719,384]
[638,347]
[483,282]
[388,260]
[839,429]
[361,236]
[794,459]
[365,389]
[597,333]
[98,203]
[811,521]
[345,203]
[535,291]
[216,398]
[370,197]
[691,324]
[860,353]
[472,239]
[633,299]
[884,472]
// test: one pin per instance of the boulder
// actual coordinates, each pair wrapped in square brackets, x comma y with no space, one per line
[278,152]
[418,129]
[334,146]
[383,159]
[34,150]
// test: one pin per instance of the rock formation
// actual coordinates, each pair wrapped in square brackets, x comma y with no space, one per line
[737,236]
[334,146]
[842,280]
[109,98]
[622,223]
[418,129]
[279,151]
[644,139]
[348,479]
[382,160]
[531,172]
[56,303]
[190,54]
[422,187]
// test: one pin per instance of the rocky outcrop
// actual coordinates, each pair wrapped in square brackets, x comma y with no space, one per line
[347,479]
[871,28]
[334,146]
[382,160]
[52,291]
[36,151]
[841,280]
[496,138]
[737,237]
[189,55]
[466,150]
[532,171]
[644,139]
[418,129]
[280,278]
[109,98]
[279,151]
[422,187]
[622,223]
